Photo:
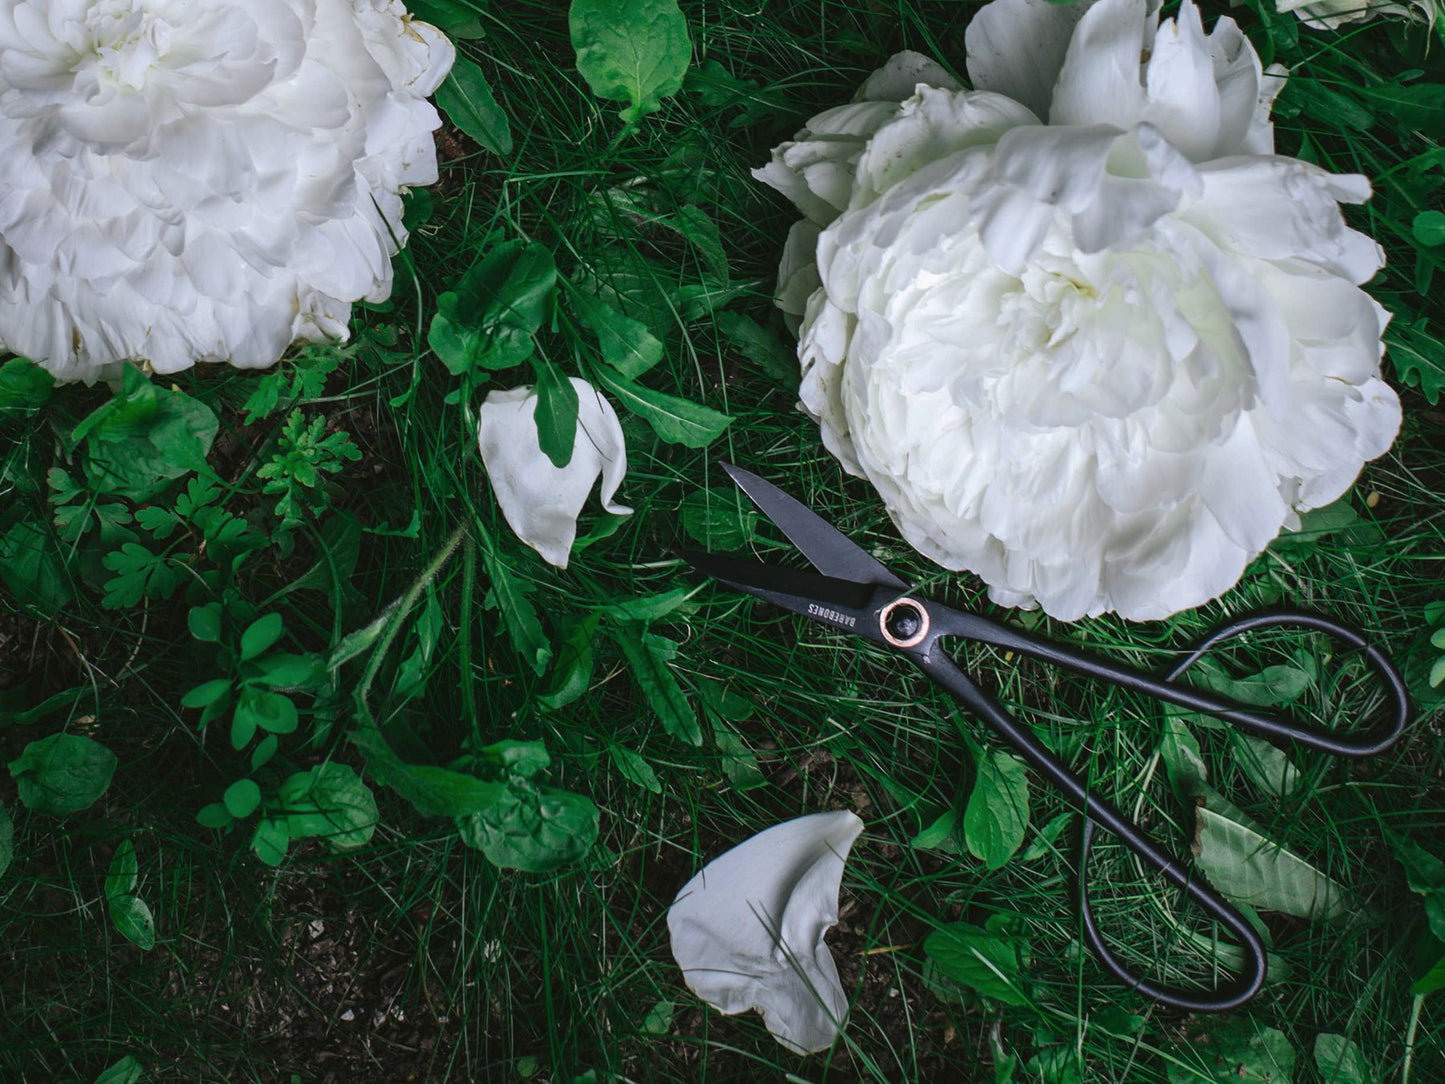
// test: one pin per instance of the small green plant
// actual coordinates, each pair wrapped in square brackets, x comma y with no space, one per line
[295,474]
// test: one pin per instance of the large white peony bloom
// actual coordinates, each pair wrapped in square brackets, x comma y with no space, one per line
[1081,327]
[185,181]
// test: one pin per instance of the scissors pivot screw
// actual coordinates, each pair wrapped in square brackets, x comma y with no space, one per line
[904,623]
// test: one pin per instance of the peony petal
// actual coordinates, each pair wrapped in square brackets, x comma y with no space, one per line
[541,501]
[1017,48]
[902,75]
[1100,80]
[748,929]
[1180,85]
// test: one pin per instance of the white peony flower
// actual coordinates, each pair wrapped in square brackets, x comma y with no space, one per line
[210,181]
[541,501]
[1332,14]
[1085,332]
[748,929]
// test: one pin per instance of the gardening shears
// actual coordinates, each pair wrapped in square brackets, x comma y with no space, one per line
[854,592]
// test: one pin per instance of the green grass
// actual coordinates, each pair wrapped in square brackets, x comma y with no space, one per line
[506,975]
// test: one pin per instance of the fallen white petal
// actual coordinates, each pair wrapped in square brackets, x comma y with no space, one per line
[748,929]
[541,501]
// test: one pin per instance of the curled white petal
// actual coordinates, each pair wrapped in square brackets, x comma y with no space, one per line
[204,182]
[1100,361]
[748,929]
[541,501]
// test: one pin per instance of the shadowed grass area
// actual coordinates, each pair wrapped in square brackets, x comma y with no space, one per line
[416,958]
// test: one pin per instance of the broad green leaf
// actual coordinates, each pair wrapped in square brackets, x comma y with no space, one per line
[645,607]
[24,387]
[775,358]
[270,840]
[63,773]
[415,669]
[206,693]
[489,319]
[1248,868]
[1419,107]
[719,518]
[739,763]
[634,51]
[572,673]
[7,840]
[144,437]
[1046,840]
[1183,762]
[264,751]
[241,798]
[532,828]
[1271,687]
[648,654]
[1340,1061]
[132,917]
[205,622]
[285,670]
[1237,1052]
[214,815]
[508,596]
[125,1071]
[555,412]
[261,634]
[434,791]
[330,801]
[659,1018]
[677,421]
[1428,228]
[263,709]
[625,343]
[1432,980]
[1267,767]
[466,97]
[997,816]
[121,878]
[987,961]
[941,834]
[634,769]
[32,567]
[1425,874]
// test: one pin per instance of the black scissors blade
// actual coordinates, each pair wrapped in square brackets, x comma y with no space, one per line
[830,550]
[841,603]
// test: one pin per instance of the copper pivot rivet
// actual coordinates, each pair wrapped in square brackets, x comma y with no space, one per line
[903,622]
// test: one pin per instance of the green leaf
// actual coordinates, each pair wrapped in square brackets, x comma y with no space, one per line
[144,437]
[1047,837]
[634,769]
[555,412]
[626,344]
[24,387]
[1273,686]
[1183,762]
[33,568]
[987,961]
[634,51]
[997,816]
[523,758]
[214,815]
[260,635]
[205,622]
[7,840]
[1237,1052]
[121,878]
[1267,767]
[435,792]
[1432,980]
[466,98]
[718,518]
[677,421]
[532,828]
[1340,1061]
[285,670]
[572,672]
[264,751]
[1418,354]
[659,1018]
[1425,874]
[62,774]
[648,654]
[241,798]
[508,595]
[739,763]
[1248,868]
[645,608]
[1419,107]
[270,711]
[330,801]
[1428,228]
[125,1071]
[270,840]
[132,917]
[488,321]
[775,358]
[139,574]
[206,693]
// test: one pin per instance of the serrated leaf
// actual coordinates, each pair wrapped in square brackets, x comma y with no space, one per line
[62,774]
[261,634]
[242,798]
[139,574]
[124,871]
[466,98]
[648,654]
[634,769]
[1248,868]
[1418,354]
[634,51]
[1340,1061]
[983,960]
[997,816]
[132,917]
[675,420]
[532,828]
[626,344]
